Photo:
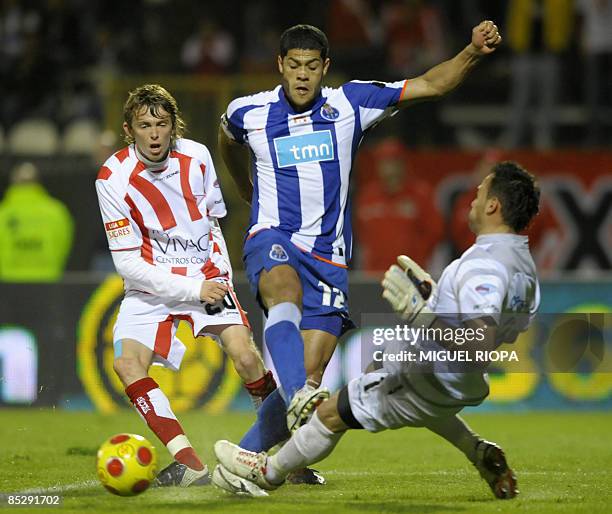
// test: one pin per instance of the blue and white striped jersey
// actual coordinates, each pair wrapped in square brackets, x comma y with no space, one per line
[302,161]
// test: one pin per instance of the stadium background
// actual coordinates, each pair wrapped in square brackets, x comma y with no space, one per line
[67,65]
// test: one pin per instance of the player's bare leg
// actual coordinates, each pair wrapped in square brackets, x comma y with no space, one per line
[488,458]
[319,347]
[132,361]
[239,346]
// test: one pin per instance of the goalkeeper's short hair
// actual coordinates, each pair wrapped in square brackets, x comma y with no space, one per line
[518,193]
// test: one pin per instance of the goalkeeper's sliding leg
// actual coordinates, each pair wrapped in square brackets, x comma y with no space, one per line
[361,404]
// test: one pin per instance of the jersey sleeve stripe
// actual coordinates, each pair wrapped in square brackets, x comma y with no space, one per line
[235,123]
[210,271]
[373,95]
[123,154]
[104,173]
[401,96]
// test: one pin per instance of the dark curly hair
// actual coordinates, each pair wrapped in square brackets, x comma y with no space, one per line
[518,192]
[304,37]
[154,97]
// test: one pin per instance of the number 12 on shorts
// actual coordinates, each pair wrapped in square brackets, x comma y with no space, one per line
[328,293]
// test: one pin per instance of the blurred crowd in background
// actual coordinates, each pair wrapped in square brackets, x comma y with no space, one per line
[54,53]
[549,87]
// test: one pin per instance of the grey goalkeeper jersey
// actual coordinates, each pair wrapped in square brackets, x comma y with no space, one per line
[496,278]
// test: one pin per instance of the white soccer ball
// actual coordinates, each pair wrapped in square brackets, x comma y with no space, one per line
[127,464]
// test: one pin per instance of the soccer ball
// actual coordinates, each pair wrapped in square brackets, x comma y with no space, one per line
[127,464]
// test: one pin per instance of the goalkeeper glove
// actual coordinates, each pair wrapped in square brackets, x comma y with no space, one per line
[407,288]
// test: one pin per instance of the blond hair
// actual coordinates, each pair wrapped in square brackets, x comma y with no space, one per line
[153,97]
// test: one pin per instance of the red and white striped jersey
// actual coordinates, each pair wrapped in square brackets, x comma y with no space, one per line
[165,213]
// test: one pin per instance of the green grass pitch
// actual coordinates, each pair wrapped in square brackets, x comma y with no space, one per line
[563,462]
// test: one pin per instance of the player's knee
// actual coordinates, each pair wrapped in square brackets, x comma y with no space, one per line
[280,284]
[281,294]
[330,417]
[127,367]
[248,364]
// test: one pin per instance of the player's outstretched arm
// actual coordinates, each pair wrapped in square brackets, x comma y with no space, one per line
[236,158]
[446,76]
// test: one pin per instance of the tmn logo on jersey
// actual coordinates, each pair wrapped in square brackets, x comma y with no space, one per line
[313,147]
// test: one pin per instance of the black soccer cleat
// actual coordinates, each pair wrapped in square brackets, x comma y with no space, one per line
[306,476]
[180,475]
[493,468]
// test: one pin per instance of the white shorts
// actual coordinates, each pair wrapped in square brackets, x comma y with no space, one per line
[153,321]
[381,401]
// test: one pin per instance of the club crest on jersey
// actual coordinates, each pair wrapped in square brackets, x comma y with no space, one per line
[278,253]
[486,288]
[329,113]
[300,149]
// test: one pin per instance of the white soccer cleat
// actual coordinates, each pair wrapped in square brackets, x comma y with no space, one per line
[303,405]
[248,465]
[228,481]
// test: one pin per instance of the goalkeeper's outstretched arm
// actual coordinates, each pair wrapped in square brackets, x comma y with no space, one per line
[408,289]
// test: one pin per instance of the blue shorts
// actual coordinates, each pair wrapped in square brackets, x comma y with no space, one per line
[324,286]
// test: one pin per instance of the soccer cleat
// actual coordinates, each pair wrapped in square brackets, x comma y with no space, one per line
[306,476]
[228,481]
[245,464]
[180,475]
[303,405]
[493,468]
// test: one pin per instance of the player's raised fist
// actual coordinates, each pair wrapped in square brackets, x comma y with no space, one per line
[485,37]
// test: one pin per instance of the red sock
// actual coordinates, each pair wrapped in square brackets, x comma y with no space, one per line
[153,405]
[261,388]
[188,457]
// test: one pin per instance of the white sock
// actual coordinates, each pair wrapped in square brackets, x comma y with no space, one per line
[310,443]
[456,432]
